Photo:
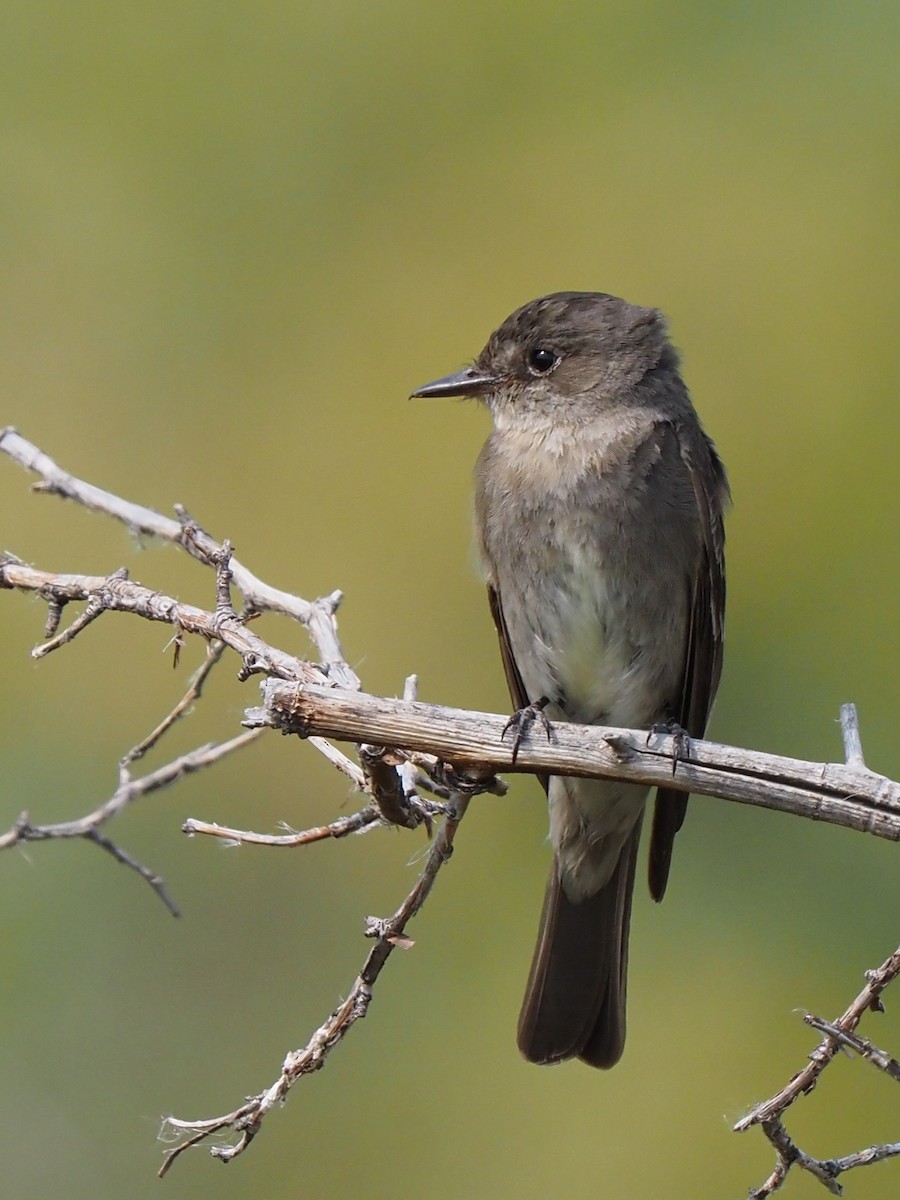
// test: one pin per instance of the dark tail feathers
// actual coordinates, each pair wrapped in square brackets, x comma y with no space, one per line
[575,999]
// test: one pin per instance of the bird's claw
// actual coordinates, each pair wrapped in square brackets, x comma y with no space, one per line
[680,737]
[520,723]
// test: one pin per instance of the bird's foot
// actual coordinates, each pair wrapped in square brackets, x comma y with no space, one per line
[520,724]
[681,738]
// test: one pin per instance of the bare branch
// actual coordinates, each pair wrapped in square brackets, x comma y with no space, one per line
[826,1170]
[789,1156]
[839,1034]
[804,1081]
[317,616]
[116,593]
[360,822]
[129,790]
[853,753]
[341,762]
[863,1158]
[246,1120]
[839,793]
[859,1045]
[214,652]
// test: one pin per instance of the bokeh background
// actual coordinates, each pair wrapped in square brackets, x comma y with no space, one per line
[234,238]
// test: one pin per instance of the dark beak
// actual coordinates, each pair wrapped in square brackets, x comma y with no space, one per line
[469,382]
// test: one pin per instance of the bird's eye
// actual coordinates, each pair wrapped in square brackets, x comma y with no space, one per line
[541,360]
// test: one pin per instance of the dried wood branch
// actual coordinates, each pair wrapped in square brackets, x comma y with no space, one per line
[359,822]
[129,789]
[318,616]
[391,779]
[246,1120]
[299,699]
[838,793]
[88,827]
[804,1081]
[839,1035]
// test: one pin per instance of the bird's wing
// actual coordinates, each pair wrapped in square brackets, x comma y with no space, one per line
[704,641]
[513,678]
[517,691]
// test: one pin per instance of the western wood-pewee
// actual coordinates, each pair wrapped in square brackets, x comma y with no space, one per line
[598,501]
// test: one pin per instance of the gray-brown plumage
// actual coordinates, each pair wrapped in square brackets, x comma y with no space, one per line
[599,505]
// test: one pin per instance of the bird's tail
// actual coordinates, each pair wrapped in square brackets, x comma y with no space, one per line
[575,999]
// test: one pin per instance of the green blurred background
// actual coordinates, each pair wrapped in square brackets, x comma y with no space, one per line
[234,237]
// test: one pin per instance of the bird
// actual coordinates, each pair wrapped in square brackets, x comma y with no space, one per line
[599,503]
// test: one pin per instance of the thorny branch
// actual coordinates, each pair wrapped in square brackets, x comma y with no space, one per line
[130,789]
[404,746]
[838,1035]
[389,777]
[246,1120]
[317,616]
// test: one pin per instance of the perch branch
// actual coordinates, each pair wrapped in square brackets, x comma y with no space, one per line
[298,699]
[839,793]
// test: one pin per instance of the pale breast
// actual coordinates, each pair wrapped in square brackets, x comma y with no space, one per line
[590,568]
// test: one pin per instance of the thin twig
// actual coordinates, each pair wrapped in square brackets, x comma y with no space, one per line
[129,790]
[341,762]
[789,1155]
[360,822]
[214,652]
[853,752]
[826,1170]
[115,593]
[859,1045]
[246,1120]
[806,1079]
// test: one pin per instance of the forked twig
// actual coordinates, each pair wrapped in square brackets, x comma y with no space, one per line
[838,1035]
[246,1120]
